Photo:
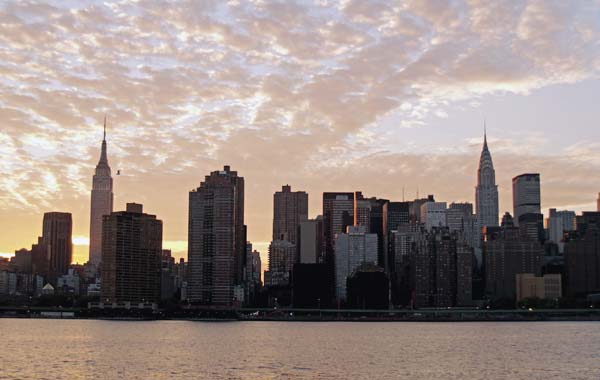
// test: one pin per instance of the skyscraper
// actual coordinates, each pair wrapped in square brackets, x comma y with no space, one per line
[526,195]
[132,255]
[310,241]
[57,239]
[102,202]
[338,213]
[351,250]
[216,238]
[486,193]
[558,223]
[289,209]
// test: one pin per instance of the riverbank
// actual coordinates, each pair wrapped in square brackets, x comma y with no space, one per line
[305,315]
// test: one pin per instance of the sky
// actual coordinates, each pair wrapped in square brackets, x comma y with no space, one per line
[375,96]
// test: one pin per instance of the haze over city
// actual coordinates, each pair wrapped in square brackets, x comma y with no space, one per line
[333,96]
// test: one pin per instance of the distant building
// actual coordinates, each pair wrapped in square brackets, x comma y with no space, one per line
[415,208]
[290,208]
[282,257]
[352,249]
[312,286]
[338,214]
[532,226]
[310,241]
[526,196]
[441,269]
[508,253]
[101,202]
[402,243]
[460,218]
[486,193]
[8,283]
[558,223]
[216,239]
[362,211]
[57,240]
[22,260]
[132,254]
[548,286]
[368,288]
[167,276]
[252,275]
[598,203]
[433,214]
[395,214]
[582,256]
[69,283]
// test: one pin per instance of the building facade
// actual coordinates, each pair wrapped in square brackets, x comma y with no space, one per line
[101,202]
[132,256]
[526,195]
[57,237]
[558,223]
[338,214]
[310,241]
[216,238]
[433,214]
[352,249]
[290,208]
[508,253]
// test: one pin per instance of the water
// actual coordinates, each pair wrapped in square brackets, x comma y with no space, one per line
[88,349]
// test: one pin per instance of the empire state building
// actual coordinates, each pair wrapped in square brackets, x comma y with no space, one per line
[102,202]
[486,193]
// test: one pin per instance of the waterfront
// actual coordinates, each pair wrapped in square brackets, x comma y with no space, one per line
[89,349]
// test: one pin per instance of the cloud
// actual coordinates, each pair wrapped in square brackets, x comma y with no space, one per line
[308,91]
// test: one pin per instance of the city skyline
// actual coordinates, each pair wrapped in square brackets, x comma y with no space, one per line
[350,118]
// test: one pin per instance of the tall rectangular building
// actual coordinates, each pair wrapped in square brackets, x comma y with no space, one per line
[352,249]
[57,238]
[132,256]
[558,223]
[290,208]
[582,256]
[216,238]
[338,214]
[526,195]
[433,214]
[101,202]
[310,241]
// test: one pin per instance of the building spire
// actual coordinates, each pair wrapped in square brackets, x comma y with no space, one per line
[103,155]
[485,145]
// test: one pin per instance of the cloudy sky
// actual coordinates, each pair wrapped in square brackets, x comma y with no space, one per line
[324,96]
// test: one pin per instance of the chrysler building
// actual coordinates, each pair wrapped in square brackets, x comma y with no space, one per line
[486,194]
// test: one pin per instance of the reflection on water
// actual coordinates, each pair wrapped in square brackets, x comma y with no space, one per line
[87,349]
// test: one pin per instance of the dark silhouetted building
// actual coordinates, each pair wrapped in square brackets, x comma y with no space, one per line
[582,256]
[131,256]
[57,240]
[310,241]
[508,252]
[290,208]
[442,274]
[368,288]
[311,286]
[216,239]
[338,213]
